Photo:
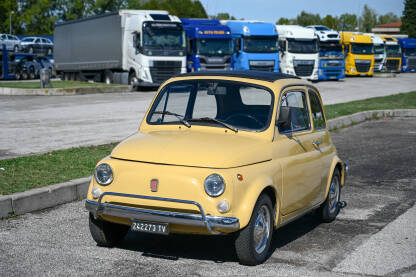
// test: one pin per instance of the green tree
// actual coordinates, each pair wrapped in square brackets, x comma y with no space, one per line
[347,22]
[409,18]
[7,8]
[305,19]
[223,16]
[368,19]
[387,18]
[331,22]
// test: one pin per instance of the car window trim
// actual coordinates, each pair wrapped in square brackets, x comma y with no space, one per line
[193,81]
[322,108]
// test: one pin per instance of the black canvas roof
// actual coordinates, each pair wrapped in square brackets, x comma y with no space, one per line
[251,74]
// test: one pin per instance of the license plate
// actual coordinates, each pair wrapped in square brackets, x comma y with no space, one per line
[150,227]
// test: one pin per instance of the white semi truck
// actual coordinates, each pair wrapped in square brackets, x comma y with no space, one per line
[379,52]
[299,53]
[138,47]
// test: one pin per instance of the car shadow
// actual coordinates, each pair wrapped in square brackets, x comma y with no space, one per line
[213,248]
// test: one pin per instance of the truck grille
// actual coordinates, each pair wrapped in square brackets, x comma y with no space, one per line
[363,65]
[163,70]
[214,66]
[411,63]
[392,65]
[303,68]
[262,67]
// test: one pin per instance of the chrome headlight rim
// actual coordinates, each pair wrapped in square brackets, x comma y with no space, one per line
[103,166]
[211,178]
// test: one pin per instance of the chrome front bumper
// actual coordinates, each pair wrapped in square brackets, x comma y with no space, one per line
[199,220]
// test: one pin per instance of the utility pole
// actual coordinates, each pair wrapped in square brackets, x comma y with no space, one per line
[10,19]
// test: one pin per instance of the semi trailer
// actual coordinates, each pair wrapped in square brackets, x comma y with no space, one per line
[138,47]
[209,44]
[359,54]
[408,46]
[255,45]
[331,58]
[299,53]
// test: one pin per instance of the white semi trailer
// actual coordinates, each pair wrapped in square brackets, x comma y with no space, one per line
[136,47]
[299,52]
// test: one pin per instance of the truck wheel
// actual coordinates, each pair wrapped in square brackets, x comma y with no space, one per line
[253,242]
[132,79]
[330,208]
[106,233]
[32,74]
[108,77]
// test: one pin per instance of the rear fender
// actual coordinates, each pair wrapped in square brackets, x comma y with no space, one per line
[336,163]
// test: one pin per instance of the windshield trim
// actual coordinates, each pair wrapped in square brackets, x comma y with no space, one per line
[229,40]
[193,82]
[361,43]
[261,37]
[293,39]
[178,27]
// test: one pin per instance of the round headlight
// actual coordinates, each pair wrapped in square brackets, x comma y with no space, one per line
[214,185]
[103,174]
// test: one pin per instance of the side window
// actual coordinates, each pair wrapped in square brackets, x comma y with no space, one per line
[294,111]
[317,111]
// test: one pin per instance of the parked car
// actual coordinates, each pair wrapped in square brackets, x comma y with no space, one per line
[26,67]
[44,62]
[215,155]
[12,42]
[37,45]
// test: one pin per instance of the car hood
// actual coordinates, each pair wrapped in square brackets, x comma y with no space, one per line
[193,148]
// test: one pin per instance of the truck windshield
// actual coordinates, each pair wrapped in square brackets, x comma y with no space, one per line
[302,46]
[214,47]
[327,49]
[260,44]
[393,51]
[379,49]
[163,37]
[410,51]
[362,48]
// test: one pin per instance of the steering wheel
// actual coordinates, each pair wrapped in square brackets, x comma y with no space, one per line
[244,117]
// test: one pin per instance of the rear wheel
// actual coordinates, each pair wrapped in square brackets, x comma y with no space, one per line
[330,208]
[253,242]
[16,48]
[106,233]
[18,75]
[32,74]
[108,77]
[25,76]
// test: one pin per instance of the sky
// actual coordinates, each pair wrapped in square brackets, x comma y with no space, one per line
[272,10]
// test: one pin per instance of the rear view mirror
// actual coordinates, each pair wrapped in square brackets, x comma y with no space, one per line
[285,118]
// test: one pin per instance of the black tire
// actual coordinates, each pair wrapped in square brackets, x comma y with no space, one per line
[245,241]
[25,76]
[32,74]
[18,75]
[330,209]
[106,233]
[132,77]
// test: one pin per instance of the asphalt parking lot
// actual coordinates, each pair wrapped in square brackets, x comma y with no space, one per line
[373,235]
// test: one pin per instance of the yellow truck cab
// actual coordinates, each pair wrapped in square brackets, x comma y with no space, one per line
[393,61]
[359,54]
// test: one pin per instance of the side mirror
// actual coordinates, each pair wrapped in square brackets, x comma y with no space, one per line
[285,119]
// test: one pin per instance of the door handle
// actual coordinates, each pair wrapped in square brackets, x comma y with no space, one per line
[316,143]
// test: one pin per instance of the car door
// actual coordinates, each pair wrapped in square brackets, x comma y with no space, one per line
[299,158]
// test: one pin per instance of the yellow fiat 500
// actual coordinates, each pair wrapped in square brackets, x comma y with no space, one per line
[217,153]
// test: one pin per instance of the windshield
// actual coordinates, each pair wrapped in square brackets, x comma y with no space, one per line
[330,47]
[214,103]
[214,46]
[27,39]
[257,44]
[410,51]
[393,51]
[362,48]
[379,49]
[302,46]
[322,28]
[163,37]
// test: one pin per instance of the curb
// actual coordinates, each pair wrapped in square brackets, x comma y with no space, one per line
[63,91]
[44,197]
[53,195]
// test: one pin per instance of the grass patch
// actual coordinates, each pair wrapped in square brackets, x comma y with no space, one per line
[24,173]
[397,101]
[29,172]
[55,84]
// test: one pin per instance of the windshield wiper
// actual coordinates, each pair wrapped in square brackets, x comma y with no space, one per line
[210,119]
[178,116]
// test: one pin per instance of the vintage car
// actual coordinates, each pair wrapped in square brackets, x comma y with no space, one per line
[241,152]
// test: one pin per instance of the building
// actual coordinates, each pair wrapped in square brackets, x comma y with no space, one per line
[388,28]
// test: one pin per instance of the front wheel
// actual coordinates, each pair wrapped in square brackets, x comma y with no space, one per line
[330,208]
[253,242]
[106,233]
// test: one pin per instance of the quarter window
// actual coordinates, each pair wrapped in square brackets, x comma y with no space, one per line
[317,111]
[299,114]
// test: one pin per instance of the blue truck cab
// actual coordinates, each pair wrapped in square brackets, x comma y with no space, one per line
[209,44]
[255,45]
[408,46]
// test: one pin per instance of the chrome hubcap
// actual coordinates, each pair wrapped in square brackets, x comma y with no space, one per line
[333,195]
[261,231]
